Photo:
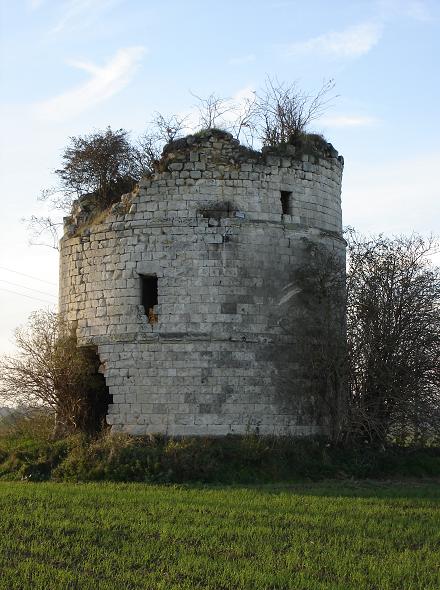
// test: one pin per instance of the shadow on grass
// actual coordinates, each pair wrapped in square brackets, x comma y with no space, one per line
[409,488]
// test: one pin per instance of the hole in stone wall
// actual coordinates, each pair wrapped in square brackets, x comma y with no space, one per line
[95,393]
[149,296]
[286,202]
[219,210]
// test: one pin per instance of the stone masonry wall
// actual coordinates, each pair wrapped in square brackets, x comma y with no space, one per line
[224,355]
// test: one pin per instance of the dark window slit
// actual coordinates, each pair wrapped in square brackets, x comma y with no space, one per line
[286,202]
[149,293]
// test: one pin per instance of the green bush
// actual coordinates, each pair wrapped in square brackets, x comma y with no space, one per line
[232,459]
[32,460]
[111,457]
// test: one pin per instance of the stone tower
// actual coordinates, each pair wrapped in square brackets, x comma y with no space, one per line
[185,285]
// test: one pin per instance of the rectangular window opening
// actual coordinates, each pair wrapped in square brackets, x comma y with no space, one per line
[286,202]
[149,296]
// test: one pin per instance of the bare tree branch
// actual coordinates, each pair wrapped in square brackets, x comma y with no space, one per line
[393,294]
[211,110]
[50,371]
[45,231]
[243,126]
[284,112]
[168,128]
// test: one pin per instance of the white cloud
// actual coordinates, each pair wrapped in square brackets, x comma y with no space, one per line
[348,121]
[242,60]
[103,84]
[84,65]
[79,14]
[352,42]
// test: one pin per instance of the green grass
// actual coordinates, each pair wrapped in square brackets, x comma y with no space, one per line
[337,536]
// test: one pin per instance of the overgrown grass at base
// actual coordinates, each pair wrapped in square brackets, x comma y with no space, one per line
[321,536]
[232,459]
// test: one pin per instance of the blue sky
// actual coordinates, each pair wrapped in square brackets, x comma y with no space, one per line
[71,66]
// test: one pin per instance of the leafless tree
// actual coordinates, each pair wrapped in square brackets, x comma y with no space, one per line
[211,110]
[44,231]
[278,113]
[382,384]
[393,316]
[148,148]
[283,111]
[243,125]
[50,371]
[168,128]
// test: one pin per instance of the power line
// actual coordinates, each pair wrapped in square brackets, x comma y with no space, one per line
[28,276]
[28,288]
[28,296]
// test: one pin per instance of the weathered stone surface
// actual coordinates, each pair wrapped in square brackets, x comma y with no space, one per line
[210,226]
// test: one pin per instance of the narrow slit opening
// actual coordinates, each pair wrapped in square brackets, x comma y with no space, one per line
[286,202]
[149,294]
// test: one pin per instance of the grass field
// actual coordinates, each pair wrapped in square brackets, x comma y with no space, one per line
[338,536]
